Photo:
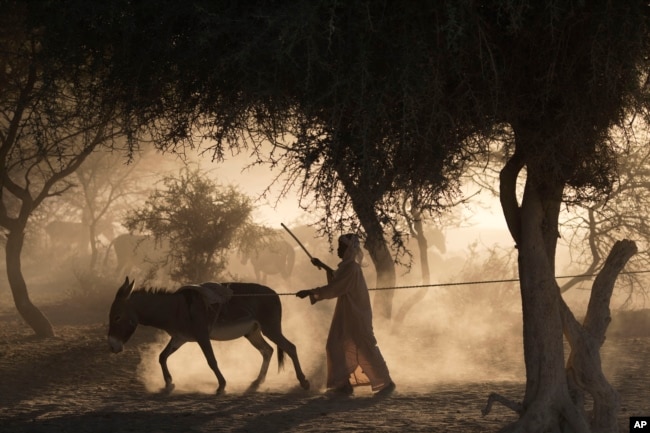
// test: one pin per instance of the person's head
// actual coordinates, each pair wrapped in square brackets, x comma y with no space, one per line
[344,241]
[349,248]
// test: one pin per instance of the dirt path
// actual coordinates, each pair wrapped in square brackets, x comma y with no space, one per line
[71,384]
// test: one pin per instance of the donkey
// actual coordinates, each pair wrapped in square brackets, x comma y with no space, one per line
[138,251]
[273,257]
[200,313]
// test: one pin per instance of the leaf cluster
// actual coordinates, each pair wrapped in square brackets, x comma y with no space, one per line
[199,219]
[375,98]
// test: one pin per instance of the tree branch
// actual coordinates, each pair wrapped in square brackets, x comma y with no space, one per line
[598,317]
[508,194]
[584,370]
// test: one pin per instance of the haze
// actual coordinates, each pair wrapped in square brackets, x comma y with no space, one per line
[455,333]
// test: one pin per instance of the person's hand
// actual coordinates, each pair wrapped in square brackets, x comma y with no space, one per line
[303,293]
[316,262]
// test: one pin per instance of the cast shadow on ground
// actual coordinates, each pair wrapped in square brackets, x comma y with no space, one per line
[318,406]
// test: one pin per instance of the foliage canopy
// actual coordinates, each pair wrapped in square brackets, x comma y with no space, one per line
[201,221]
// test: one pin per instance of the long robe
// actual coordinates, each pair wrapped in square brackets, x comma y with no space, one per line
[352,352]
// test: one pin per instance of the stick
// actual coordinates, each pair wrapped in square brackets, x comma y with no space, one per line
[296,239]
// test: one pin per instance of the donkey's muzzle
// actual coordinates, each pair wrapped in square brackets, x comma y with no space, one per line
[115,345]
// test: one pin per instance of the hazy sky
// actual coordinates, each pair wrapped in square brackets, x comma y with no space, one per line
[253,181]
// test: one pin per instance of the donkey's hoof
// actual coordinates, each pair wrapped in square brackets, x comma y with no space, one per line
[168,388]
[253,387]
[221,390]
[305,384]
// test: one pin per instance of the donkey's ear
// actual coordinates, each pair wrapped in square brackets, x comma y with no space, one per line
[125,290]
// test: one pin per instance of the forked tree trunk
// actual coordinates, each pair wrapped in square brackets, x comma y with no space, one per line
[547,406]
[27,310]
[554,396]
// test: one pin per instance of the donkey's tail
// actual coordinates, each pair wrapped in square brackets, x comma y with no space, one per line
[280,358]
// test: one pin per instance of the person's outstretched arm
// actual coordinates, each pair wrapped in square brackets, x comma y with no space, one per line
[320,265]
[330,276]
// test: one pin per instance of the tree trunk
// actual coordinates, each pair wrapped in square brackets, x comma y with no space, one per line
[94,254]
[423,247]
[584,368]
[547,405]
[386,276]
[554,395]
[382,259]
[412,301]
[28,311]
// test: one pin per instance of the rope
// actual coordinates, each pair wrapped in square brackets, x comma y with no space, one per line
[451,284]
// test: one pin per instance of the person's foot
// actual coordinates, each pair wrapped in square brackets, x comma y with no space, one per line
[345,389]
[387,390]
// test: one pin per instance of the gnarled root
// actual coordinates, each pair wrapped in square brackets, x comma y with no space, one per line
[494,397]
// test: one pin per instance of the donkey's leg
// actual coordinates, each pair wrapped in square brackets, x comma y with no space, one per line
[256,339]
[274,333]
[171,347]
[206,348]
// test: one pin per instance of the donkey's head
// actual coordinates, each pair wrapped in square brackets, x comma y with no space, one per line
[122,318]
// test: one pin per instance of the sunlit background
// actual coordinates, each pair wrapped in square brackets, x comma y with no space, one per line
[455,332]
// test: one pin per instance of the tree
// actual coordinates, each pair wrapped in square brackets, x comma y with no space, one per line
[104,180]
[50,123]
[200,219]
[414,220]
[561,150]
[355,133]
[356,128]
[592,228]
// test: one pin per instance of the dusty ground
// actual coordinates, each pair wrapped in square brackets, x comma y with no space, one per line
[72,384]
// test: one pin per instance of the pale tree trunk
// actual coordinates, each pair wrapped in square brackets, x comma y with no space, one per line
[547,406]
[554,395]
[27,310]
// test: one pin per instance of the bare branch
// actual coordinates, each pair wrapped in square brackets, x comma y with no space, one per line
[597,318]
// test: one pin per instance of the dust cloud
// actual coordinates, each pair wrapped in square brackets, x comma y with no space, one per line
[457,334]
[453,334]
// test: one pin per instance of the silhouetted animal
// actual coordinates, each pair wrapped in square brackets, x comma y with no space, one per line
[74,235]
[274,257]
[201,313]
[138,251]
[436,238]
